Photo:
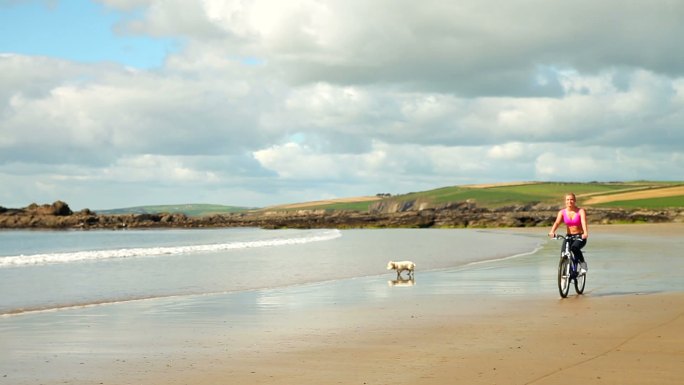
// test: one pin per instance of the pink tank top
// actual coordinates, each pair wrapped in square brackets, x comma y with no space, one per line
[576,221]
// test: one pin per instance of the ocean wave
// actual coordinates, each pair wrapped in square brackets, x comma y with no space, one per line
[94,255]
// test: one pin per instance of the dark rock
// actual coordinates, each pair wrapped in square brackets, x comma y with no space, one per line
[61,208]
[57,208]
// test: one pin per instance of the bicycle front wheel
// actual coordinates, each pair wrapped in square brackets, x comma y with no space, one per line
[580,281]
[564,277]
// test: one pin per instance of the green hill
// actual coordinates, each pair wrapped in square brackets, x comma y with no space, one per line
[628,195]
[550,192]
[638,194]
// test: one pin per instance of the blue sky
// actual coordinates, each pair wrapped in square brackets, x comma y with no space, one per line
[115,103]
[78,30]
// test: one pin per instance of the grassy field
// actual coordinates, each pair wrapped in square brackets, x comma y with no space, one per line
[641,194]
[496,196]
[653,203]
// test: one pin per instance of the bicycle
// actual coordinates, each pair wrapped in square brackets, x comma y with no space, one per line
[568,269]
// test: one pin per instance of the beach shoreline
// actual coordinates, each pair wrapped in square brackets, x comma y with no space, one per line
[432,333]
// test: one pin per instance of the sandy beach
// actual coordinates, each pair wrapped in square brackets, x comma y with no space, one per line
[424,334]
[627,339]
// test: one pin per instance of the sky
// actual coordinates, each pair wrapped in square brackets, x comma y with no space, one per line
[119,103]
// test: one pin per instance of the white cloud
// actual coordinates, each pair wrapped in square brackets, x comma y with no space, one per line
[299,162]
[507,151]
[155,168]
[577,163]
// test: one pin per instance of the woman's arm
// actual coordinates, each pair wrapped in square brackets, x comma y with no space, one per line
[585,225]
[559,218]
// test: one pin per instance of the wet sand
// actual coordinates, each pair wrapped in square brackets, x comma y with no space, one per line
[630,339]
[427,336]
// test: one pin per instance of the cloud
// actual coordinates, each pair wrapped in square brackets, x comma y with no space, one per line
[118,111]
[616,164]
[433,46]
[269,102]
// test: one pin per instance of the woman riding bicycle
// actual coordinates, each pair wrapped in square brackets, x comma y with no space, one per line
[575,220]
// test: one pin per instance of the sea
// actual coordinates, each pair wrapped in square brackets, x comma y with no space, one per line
[60,270]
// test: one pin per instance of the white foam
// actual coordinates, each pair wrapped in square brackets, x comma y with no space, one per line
[93,255]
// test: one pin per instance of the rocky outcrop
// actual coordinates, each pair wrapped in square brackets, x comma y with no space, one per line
[409,214]
[58,208]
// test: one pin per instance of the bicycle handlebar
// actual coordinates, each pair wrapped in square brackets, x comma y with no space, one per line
[565,236]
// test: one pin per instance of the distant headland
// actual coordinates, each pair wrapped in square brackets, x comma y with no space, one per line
[521,204]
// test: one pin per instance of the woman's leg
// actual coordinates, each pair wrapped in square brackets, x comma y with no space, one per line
[576,247]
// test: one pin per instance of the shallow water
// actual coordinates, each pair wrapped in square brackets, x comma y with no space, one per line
[49,270]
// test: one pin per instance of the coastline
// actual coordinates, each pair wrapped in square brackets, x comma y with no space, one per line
[59,216]
[432,333]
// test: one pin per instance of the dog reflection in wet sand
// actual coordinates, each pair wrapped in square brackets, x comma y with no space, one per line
[402,282]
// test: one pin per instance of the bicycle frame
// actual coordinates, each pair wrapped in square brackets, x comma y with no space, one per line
[568,270]
[567,253]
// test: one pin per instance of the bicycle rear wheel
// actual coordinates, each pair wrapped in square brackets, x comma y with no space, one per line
[580,281]
[564,277]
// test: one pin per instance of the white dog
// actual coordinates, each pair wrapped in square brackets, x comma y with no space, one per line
[401,266]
